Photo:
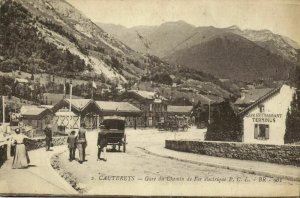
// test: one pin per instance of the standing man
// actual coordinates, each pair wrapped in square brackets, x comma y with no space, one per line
[72,145]
[81,143]
[102,144]
[48,133]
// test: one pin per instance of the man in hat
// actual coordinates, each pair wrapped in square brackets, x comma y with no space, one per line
[102,144]
[81,143]
[48,133]
[72,145]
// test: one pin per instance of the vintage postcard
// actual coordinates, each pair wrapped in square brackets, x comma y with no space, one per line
[150,98]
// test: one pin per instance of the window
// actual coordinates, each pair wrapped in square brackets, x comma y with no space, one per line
[261,108]
[261,131]
[150,107]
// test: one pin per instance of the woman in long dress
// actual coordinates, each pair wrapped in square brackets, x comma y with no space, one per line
[21,158]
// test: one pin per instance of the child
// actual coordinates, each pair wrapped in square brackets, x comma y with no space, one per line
[72,145]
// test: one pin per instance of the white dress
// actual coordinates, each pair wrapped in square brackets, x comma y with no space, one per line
[21,158]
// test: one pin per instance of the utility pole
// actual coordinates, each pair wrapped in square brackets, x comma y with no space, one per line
[209,108]
[3,110]
[209,112]
[70,102]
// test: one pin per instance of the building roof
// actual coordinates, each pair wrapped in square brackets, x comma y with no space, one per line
[179,109]
[47,106]
[108,106]
[252,95]
[271,93]
[34,112]
[80,104]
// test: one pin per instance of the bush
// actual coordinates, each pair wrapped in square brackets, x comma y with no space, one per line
[225,124]
[292,132]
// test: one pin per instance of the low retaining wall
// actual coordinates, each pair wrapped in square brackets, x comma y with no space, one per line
[280,154]
[37,143]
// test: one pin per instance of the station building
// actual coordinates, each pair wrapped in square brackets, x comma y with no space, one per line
[91,112]
[152,105]
[264,121]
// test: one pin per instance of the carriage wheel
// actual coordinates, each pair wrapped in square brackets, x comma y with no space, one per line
[124,144]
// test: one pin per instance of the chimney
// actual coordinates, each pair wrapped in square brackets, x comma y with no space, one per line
[243,93]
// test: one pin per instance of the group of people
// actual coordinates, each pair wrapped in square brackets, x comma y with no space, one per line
[79,141]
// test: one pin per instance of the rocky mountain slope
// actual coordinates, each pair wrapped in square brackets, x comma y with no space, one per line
[224,52]
[52,36]
[231,56]
[161,38]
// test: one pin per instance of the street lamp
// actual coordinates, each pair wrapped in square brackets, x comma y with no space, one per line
[209,112]
[70,95]
[70,103]
[208,109]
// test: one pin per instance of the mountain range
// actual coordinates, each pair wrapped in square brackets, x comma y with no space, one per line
[243,55]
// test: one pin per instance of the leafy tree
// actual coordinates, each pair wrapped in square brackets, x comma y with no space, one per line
[225,124]
[292,132]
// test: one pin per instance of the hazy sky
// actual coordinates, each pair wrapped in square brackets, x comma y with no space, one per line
[279,16]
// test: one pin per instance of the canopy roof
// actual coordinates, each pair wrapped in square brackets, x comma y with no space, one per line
[86,106]
[117,106]
[179,109]
[34,112]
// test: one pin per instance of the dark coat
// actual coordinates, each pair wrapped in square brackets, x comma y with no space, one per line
[71,141]
[102,139]
[48,133]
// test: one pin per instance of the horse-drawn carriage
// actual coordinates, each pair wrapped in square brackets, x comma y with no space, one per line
[114,128]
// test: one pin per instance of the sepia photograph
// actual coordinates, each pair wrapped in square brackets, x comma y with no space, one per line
[189,98]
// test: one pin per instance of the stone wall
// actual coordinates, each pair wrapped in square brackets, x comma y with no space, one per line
[37,143]
[281,154]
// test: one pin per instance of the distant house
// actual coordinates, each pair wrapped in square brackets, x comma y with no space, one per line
[22,80]
[264,121]
[36,117]
[152,105]
[249,96]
